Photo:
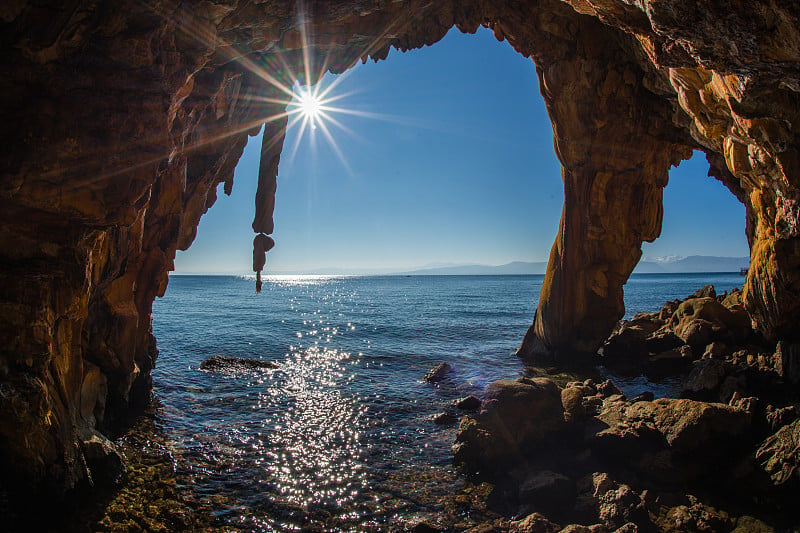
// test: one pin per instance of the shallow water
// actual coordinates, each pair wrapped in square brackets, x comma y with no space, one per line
[340,436]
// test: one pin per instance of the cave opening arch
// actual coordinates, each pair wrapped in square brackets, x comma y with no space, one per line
[163,80]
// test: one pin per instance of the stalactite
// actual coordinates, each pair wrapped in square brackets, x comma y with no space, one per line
[261,245]
[263,223]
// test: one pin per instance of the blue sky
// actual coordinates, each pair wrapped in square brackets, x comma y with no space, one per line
[459,168]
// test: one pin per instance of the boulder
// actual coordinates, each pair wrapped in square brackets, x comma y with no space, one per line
[672,440]
[105,463]
[689,426]
[470,403]
[224,363]
[514,416]
[699,321]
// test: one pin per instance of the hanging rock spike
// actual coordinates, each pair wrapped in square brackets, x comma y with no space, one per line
[261,245]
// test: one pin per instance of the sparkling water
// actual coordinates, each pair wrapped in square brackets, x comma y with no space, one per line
[340,436]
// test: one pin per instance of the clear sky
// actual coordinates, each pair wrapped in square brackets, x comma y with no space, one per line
[457,167]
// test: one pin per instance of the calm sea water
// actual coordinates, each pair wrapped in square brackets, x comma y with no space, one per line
[340,436]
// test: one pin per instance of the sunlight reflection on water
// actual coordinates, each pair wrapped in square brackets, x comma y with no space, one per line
[314,454]
[339,437]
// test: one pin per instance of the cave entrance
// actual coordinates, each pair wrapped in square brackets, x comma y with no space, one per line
[344,428]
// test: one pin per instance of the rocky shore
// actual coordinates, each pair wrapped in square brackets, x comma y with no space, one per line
[578,455]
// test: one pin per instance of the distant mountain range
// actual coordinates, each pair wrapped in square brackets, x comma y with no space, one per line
[673,265]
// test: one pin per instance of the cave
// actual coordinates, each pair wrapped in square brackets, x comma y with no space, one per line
[120,122]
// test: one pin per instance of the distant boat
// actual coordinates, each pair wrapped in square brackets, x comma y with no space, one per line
[743,271]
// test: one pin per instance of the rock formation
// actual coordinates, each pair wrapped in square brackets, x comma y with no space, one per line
[122,119]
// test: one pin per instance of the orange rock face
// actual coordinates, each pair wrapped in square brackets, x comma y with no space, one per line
[121,121]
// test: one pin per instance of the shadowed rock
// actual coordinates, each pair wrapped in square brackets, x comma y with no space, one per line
[514,416]
[224,363]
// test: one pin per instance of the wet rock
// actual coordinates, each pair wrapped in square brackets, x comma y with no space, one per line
[470,403]
[515,415]
[224,363]
[624,351]
[444,419]
[779,454]
[438,373]
[534,523]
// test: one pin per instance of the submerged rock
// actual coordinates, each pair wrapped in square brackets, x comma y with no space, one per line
[224,363]
[438,373]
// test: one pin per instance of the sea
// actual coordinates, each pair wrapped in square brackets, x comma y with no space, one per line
[340,436]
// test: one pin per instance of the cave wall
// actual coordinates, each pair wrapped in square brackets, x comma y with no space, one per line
[122,120]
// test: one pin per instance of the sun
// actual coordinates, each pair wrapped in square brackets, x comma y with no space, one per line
[310,105]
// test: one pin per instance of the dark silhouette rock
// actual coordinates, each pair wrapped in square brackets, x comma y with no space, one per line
[470,403]
[106,465]
[224,363]
[444,419]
